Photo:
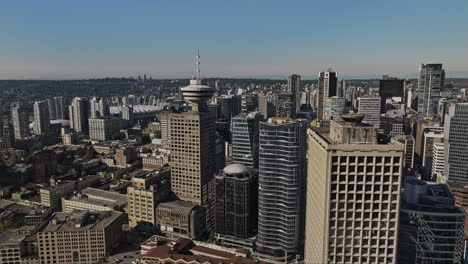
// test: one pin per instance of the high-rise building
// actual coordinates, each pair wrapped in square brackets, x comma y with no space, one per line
[7,136]
[236,206]
[370,107]
[265,107]
[19,118]
[59,107]
[334,108]
[456,143]
[193,135]
[104,128]
[99,107]
[79,114]
[430,83]
[281,191]
[295,89]
[41,118]
[230,106]
[431,227]
[390,87]
[284,105]
[51,106]
[353,194]
[165,121]
[245,138]
[327,87]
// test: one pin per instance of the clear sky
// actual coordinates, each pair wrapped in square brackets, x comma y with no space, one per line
[236,38]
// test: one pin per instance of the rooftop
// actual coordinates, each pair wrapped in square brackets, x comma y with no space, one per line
[80,221]
[234,169]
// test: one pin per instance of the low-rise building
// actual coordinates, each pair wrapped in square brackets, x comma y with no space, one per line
[181,219]
[51,195]
[79,237]
[159,249]
[94,200]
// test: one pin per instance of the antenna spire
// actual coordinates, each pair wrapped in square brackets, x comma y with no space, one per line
[198,65]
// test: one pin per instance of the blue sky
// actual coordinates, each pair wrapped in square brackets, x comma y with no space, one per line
[255,38]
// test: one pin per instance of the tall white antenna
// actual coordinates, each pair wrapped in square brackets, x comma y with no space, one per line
[198,65]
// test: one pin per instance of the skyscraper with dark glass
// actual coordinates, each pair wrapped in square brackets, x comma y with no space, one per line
[236,206]
[245,129]
[327,87]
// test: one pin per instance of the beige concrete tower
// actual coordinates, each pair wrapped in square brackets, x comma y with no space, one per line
[193,146]
[353,194]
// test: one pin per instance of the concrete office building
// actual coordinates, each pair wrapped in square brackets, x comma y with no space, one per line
[236,206]
[431,227]
[79,237]
[353,194]
[181,219]
[370,108]
[41,118]
[165,122]
[19,119]
[430,83]
[103,129]
[283,105]
[334,108]
[51,195]
[265,107]
[456,143]
[327,87]
[78,111]
[244,131]
[96,200]
[193,135]
[281,192]
[147,191]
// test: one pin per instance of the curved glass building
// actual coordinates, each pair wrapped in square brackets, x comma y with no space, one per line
[282,175]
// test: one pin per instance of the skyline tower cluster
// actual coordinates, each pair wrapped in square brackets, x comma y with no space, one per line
[243,171]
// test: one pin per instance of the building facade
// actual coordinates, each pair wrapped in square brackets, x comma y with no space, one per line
[456,143]
[431,227]
[236,206]
[353,194]
[327,87]
[370,107]
[78,111]
[103,129]
[79,237]
[430,83]
[245,131]
[282,175]
[41,118]
[19,119]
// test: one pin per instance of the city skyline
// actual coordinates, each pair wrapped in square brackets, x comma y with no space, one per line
[55,40]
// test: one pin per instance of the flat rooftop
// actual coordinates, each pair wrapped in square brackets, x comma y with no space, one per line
[87,220]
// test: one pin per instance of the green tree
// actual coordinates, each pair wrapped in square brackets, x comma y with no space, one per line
[5,224]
